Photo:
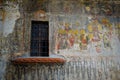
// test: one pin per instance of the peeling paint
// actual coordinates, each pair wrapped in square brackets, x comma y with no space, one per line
[12,14]
[77,14]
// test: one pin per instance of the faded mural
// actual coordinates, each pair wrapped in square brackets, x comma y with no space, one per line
[85,28]
[95,34]
[77,28]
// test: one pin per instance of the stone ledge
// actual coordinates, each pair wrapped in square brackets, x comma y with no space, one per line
[43,60]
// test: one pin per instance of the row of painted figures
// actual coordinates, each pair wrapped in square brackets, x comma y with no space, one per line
[99,34]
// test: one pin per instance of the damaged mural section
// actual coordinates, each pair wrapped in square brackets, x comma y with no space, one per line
[90,27]
[88,36]
[92,35]
[8,41]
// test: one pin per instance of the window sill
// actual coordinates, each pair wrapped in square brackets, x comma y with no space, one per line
[43,60]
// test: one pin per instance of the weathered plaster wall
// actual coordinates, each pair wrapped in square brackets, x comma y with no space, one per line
[78,68]
[77,29]
[11,15]
[92,29]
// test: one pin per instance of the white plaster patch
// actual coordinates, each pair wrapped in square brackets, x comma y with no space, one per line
[12,14]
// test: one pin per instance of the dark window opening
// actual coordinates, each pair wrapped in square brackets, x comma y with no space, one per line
[39,38]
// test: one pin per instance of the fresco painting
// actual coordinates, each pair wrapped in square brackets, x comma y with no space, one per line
[96,33]
[84,27]
[76,27]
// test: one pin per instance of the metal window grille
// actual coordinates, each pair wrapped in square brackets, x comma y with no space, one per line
[39,38]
